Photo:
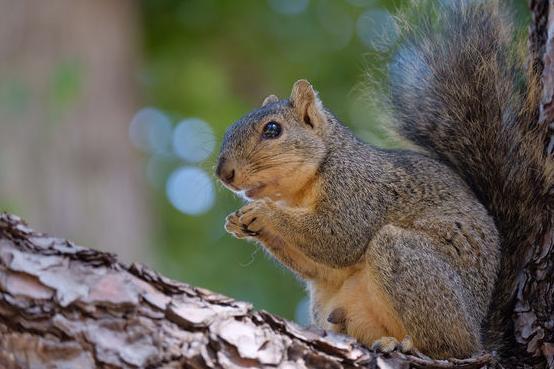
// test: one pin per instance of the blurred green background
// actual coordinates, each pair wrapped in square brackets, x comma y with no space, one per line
[111,113]
[216,60]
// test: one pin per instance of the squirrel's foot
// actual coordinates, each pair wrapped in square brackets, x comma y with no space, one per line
[249,220]
[338,318]
[390,344]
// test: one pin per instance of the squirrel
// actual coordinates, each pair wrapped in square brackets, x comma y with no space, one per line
[405,249]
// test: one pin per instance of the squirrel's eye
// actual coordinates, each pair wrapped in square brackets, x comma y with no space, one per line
[271,130]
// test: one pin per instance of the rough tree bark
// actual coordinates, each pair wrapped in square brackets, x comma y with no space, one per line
[65,306]
[534,298]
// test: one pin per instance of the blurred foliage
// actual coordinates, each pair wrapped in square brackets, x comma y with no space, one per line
[64,87]
[216,60]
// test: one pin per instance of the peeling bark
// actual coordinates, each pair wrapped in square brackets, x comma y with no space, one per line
[534,298]
[66,306]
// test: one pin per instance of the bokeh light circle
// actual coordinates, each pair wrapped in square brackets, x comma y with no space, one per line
[190,190]
[193,140]
[150,131]
[336,20]
[377,29]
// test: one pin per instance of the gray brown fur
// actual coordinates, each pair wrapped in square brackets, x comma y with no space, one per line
[457,91]
[424,224]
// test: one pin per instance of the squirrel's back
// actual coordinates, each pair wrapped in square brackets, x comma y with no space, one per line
[459,90]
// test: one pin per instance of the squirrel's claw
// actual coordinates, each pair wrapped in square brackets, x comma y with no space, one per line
[390,344]
[236,228]
[248,221]
[244,228]
[253,217]
[232,226]
[385,344]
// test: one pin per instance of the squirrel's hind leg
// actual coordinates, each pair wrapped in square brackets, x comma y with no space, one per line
[426,292]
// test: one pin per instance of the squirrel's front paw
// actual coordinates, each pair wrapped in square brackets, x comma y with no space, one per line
[249,220]
[233,226]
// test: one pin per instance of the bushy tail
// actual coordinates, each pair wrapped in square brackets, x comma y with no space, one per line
[459,90]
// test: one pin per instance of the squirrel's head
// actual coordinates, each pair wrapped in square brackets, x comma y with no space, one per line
[275,151]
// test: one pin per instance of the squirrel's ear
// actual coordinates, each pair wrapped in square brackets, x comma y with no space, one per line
[270,99]
[306,104]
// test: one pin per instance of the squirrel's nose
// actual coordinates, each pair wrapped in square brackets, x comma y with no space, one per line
[224,171]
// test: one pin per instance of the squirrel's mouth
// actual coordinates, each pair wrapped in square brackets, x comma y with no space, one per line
[252,192]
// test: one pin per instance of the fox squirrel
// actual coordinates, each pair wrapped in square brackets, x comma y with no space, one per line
[402,249]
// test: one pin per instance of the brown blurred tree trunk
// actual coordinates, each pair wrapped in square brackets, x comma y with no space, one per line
[67,95]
